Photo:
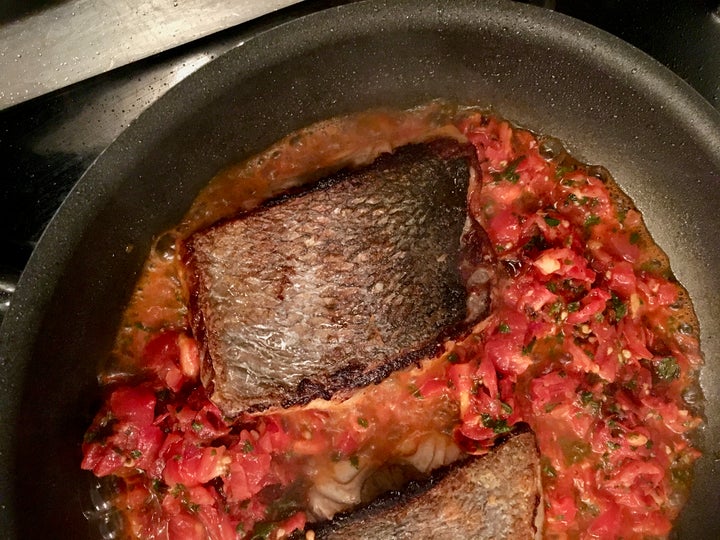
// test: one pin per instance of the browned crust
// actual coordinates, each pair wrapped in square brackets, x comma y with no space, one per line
[494,496]
[340,383]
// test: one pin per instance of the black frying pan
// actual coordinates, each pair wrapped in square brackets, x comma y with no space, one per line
[611,104]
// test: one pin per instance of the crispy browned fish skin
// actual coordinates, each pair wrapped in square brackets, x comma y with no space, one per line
[494,496]
[336,288]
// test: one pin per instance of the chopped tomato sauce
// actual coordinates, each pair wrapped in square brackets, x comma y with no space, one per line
[590,342]
[593,332]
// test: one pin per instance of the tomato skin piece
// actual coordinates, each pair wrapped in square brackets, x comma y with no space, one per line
[161,356]
[461,378]
[488,376]
[434,387]
[623,248]
[504,228]
[565,263]
[135,405]
[622,279]
[591,304]
[191,465]
[130,441]
[273,438]
[101,460]
[607,525]
[248,474]
[174,358]
[504,347]
[218,525]
[183,526]
[635,338]
[346,443]
[296,522]
[561,510]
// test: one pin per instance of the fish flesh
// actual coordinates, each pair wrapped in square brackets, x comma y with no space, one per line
[335,287]
[495,496]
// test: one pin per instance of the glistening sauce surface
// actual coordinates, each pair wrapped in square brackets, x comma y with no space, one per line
[590,341]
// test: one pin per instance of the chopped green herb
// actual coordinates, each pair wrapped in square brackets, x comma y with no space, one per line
[136,454]
[551,286]
[586,397]
[631,384]
[553,222]
[550,406]
[509,173]
[507,409]
[527,349]
[158,486]
[453,357]
[504,328]
[618,306]
[562,170]
[192,507]
[592,220]
[140,326]
[363,422]
[498,425]
[549,471]
[681,474]
[575,450]
[573,306]
[634,237]
[262,531]
[415,391]
[589,508]
[667,369]
[537,241]
[556,308]
[613,445]
[247,447]
[196,426]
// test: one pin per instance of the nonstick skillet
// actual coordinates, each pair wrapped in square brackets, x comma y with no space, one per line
[609,103]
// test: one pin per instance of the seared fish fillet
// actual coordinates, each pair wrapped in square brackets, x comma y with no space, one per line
[335,287]
[493,497]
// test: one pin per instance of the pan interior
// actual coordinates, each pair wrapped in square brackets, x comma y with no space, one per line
[611,105]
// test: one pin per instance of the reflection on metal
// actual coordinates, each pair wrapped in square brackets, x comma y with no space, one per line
[78,39]
[7,288]
[93,122]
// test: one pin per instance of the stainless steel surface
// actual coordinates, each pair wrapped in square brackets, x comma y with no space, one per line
[78,39]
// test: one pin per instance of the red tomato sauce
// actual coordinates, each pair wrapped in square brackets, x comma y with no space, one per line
[597,340]
[590,342]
